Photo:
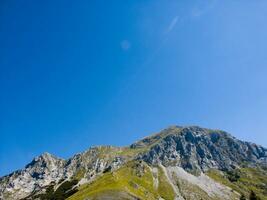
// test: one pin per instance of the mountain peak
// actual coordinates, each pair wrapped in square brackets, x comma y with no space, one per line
[46,154]
[186,150]
[45,159]
[171,130]
[199,149]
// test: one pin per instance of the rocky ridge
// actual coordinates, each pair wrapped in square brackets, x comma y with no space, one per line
[192,149]
[198,149]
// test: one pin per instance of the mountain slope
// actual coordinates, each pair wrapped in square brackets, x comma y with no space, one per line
[177,163]
[198,149]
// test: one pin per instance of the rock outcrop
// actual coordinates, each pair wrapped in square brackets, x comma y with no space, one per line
[193,149]
[199,149]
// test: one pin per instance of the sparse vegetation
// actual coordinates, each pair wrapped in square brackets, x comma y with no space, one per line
[65,190]
[135,179]
[165,189]
[136,172]
[250,179]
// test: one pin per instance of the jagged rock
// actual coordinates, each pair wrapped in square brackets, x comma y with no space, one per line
[193,149]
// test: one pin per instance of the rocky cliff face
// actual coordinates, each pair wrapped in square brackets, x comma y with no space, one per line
[193,149]
[199,149]
[40,172]
[48,169]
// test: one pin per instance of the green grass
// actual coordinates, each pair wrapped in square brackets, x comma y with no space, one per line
[134,178]
[165,189]
[110,152]
[254,179]
[150,141]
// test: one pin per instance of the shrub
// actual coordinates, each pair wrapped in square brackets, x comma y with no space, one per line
[253,196]
[242,197]
[233,175]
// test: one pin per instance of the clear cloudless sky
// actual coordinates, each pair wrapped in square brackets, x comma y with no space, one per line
[79,73]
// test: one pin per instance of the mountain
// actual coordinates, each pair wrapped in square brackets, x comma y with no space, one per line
[179,163]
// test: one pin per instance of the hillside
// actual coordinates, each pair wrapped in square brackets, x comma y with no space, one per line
[177,163]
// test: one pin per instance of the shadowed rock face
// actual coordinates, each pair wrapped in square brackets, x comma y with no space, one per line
[195,148]
[192,148]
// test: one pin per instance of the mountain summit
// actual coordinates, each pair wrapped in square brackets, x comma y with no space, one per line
[177,163]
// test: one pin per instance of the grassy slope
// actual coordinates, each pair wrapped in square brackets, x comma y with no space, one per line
[125,179]
[134,178]
[250,179]
[165,190]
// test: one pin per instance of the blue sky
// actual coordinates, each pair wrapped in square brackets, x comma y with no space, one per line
[80,73]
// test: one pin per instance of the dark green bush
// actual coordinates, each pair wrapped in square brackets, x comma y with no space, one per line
[242,197]
[253,196]
[233,175]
